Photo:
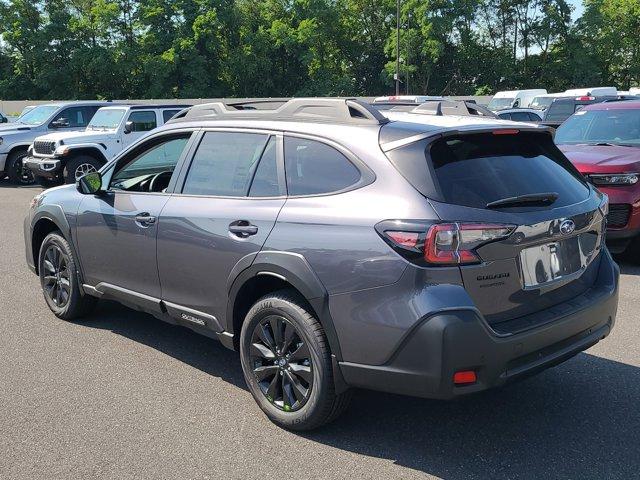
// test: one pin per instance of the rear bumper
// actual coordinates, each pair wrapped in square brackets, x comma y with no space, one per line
[455,340]
[43,167]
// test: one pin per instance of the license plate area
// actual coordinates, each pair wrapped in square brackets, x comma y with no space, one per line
[558,260]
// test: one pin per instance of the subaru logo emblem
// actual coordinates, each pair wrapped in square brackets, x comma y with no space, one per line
[567,227]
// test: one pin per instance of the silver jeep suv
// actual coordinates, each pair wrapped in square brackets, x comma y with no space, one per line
[335,246]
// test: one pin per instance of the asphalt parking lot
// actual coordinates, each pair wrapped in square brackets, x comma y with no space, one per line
[122,395]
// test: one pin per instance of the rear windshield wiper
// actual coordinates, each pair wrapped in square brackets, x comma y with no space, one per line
[530,199]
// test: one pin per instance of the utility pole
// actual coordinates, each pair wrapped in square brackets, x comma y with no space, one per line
[397,47]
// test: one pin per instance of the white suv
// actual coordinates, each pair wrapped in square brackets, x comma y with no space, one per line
[64,157]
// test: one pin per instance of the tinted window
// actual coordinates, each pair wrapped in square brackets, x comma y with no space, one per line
[520,116]
[505,116]
[143,121]
[474,170]
[560,111]
[136,172]
[265,182]
[224,164]
[74,117]
[168,114]
[601,126]
[313,167]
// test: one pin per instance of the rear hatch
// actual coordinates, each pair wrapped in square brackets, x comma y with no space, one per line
[533,228]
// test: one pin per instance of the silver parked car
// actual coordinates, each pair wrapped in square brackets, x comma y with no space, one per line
[337,247]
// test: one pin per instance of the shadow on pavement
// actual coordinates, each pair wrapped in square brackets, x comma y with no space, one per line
[579,420]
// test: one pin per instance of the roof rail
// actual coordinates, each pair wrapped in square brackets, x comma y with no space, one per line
[341,110]
[453,107]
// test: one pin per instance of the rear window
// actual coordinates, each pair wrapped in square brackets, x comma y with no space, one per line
[474,170]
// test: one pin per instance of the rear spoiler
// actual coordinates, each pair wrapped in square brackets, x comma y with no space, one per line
[471,130]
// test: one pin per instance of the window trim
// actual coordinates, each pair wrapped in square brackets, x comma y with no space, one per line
[181,180]
[107,170]
[367,176]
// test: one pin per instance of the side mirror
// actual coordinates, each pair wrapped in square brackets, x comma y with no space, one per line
[60,123]
[128,127]
[516,104]
[3,119]
[90,183]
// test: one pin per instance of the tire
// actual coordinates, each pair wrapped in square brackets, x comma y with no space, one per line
[81,163]
[57,269]
[16,172]
[281,369]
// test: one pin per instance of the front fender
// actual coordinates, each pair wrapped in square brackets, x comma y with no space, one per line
[98,149]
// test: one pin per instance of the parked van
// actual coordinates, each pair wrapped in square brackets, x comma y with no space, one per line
[591,92]
[514,98]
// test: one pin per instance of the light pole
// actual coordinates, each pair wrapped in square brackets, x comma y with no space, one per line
[397,47]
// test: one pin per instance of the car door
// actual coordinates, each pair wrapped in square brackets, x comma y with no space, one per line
[138,123]
[230,198]
[116,229]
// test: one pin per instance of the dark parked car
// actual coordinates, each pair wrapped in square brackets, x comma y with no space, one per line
[563,107]
[336,247]
[603,142]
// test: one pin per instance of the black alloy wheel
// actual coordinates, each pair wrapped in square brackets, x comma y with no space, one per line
[56,281]
[281,363]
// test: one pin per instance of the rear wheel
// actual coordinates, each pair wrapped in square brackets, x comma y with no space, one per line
[57,269]
[79,166]
[16,171]
[287,363]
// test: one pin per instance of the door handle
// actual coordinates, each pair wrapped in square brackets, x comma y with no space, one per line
[145,219]
[242,228]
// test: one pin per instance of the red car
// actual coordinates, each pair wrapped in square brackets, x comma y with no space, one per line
[603,142]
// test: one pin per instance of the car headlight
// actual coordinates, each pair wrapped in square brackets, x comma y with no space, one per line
[35,201]
[612,179]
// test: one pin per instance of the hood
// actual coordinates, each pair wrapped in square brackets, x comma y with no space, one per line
[603,159]
[71,138]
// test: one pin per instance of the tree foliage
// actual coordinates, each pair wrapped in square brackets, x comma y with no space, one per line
[210,48]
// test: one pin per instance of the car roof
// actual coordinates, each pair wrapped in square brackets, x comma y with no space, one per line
[620,105]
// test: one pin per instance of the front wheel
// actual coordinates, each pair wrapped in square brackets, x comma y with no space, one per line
[57,269]
[17,172]
[287,365]
[79,166]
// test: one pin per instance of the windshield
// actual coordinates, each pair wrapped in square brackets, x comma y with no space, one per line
[38,115]
[501,103]
[616,127]
[106,118]
[541,102]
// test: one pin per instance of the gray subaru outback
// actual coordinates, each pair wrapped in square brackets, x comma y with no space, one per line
[337,246]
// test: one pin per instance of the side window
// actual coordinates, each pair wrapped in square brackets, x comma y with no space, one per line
[224,164]
[168,114]
[533,117]
[149,170]
[73,117]
[265,181]
[504,116]
[143,121]
[313,168]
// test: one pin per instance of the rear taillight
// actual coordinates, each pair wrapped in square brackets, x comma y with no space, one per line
[441,243]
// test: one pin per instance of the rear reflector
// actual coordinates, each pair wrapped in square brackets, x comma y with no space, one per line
[465,377]
[404,239]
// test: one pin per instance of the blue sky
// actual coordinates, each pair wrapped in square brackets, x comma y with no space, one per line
[578,8]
